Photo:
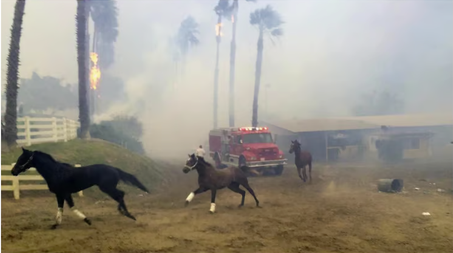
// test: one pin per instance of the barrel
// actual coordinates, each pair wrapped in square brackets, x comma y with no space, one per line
[390,185]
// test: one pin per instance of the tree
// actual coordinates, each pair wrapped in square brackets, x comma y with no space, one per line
[378,103]
[186,38]
[82,26]
[234,18]
[268,21]
[12,75]
[222,9]
[104,14]
[42,93]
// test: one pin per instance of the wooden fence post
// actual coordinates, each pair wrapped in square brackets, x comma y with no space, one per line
[16,190]
[27,131]
[80,192]
[54,129]
[65,130]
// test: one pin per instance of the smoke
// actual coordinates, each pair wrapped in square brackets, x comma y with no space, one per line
[331,53]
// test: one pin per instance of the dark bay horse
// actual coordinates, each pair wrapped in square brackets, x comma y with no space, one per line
[302,159]
[63,180]
[210,178]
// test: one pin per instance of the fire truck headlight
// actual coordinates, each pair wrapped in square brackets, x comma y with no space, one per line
[280,156]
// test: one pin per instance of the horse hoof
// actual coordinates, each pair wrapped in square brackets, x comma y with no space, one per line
[54,226]
[239,206]
[87,221]
[211,212]
[187,203]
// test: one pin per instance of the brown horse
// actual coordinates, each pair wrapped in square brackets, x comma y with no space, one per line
[302,159]
[210,178]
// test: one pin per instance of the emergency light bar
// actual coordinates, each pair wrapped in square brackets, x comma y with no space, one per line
[252,128]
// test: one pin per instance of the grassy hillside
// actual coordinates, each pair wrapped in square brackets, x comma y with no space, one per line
[98,151]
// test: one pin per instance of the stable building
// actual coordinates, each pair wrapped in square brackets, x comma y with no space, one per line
[350,138]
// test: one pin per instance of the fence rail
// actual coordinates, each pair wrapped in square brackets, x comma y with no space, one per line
[16,187]
[39,130]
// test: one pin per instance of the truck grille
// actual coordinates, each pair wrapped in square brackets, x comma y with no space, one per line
[268,153]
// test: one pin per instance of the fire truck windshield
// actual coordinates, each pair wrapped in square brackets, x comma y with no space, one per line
[257,138]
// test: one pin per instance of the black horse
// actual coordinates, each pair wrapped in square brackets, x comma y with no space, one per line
[210,178]
[64,179]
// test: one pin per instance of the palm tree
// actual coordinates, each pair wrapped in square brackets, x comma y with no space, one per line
[12,75]
[268,21]
[234,18]
[82,47]
[222,9]
[186,38]
[105,17]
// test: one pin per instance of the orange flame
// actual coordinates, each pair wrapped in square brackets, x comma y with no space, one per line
[218,30]
[95,72]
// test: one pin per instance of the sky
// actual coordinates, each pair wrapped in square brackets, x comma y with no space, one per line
[330,54]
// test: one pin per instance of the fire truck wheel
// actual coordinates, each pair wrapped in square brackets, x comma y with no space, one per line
[278,170]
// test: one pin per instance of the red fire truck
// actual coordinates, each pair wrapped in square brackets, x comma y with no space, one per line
[250,146]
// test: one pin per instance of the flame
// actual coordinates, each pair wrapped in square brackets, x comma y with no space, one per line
[218,30]
[95,72]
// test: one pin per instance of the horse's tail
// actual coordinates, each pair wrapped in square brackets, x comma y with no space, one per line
[131,179]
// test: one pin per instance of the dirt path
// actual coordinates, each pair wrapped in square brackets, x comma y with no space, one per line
[340,212]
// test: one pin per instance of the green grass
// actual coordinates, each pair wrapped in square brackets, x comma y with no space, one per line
[94,152]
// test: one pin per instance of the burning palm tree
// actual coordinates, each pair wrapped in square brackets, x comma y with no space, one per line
[268,21]
[104,14]
[12,75]
[222,9]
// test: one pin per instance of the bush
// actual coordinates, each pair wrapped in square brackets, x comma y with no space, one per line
[122,130]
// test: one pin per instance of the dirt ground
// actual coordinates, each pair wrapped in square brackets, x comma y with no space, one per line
[341,211]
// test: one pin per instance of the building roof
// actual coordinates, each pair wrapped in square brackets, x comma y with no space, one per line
[320,125]
[408,120]
[367,122]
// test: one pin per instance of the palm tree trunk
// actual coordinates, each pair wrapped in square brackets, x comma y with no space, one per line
[84,111]
[232,65]
[12,75]
[259,62]
[216,75]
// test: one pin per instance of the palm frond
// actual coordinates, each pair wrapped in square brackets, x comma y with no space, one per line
[277,32]
[268,19]
[224,9]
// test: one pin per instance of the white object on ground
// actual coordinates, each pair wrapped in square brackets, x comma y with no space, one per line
[426,214]
[416,188]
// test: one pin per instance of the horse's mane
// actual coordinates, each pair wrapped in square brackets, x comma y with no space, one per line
[46,156]
[203,161]
[51,158]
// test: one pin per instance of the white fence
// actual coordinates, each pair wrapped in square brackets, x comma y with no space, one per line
[38,130]
[16,187]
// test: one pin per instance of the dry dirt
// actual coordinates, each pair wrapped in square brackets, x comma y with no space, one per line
[341,211]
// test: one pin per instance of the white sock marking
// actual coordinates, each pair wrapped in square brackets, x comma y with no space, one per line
[78,213]
[59,217]
[212,208]
[190,197]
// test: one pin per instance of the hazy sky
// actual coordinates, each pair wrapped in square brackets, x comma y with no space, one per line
[331,52]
